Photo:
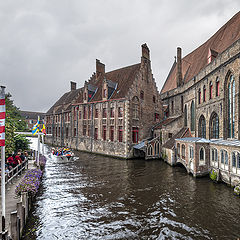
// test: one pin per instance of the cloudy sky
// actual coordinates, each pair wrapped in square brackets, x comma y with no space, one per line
[47,43]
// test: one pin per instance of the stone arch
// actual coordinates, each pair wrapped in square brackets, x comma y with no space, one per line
[214,126]
[202,127]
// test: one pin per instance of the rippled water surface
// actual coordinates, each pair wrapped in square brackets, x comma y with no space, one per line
[96,197]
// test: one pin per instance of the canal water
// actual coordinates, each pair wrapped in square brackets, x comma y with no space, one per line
[96,197]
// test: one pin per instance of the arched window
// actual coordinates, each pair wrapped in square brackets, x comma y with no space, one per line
[202,127]
[204,93]
[185,116]
[238,160]
[178,150]
[231,106]
[233,159]
[192,116]
[150,150]
[199,96]
[202,156]
[135,107]
[156,148]
[183,151]
[210,90]
[226,158]
[217,87]
[214,126]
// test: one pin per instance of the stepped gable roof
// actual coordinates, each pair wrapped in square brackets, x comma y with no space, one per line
[197,59]
[122,78]
[32,115]
[183,133]
[67,98]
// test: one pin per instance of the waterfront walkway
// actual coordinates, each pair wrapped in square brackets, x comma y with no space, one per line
[11,199]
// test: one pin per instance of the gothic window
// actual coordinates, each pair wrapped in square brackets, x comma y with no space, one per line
[199,96]
[157,148]
[233,159]
[214,126]
[202,156]
[204,93]
[178,150]
[150,150]
[192,116]
[185,116]
[120,133]
[217,87]
[214,155]
[202,127]
[182,103]
[231,107]
[183,151]
[210,90]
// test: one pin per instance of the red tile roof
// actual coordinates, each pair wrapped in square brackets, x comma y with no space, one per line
[197,60]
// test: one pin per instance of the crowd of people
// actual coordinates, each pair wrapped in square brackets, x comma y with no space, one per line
[15,159]
[63,152]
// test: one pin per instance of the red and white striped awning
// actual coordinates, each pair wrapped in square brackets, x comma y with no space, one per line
[2,118]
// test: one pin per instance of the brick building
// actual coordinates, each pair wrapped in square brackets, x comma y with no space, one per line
[201,93]
[31,117]
[111,113]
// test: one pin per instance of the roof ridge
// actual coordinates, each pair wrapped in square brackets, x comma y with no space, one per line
[123,68]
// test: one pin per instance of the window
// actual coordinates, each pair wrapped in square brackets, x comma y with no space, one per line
[104,113]
[96,133]
[85,96]
[238,160]
[120,133]
[214,126]
[231,107]
[66,132]
[178,150]
[199,96]
[204,93]
[185,116]
[224,157]
[112,133]
[135,111]
[172,107]
[135,134]
[120,112]
[84,130]
[56,132]
[75,114]
[191,152]
[182,103]
[75,132]
[233,159]
[89,112]
[202,127]
[157,148]
[217,87]
[104,133]
[89,131]
[154,99]
[210,90]
[169,135]
[183,151]
[150,150]
[84,113]
[192,116]
[142,95]
[202,156]
[96,113]
[112,112]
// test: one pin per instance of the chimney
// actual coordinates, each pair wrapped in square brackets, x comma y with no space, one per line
[100,68]
[73,85]
[179,67]
[145,51]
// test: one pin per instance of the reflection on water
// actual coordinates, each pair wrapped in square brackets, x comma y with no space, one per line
[97,197]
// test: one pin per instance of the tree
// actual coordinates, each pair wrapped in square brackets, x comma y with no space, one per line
[14,122]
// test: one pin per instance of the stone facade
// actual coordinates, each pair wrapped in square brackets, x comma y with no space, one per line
[202,92]
[112,112]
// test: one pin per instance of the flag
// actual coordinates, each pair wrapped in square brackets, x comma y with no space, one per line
[36,127]
[2,117]
[43,129]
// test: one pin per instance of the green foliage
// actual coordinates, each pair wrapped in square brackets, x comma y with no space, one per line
[21,142]
[213,175]
[14,122]
[237,190]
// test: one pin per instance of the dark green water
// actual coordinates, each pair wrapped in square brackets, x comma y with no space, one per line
[98,197]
